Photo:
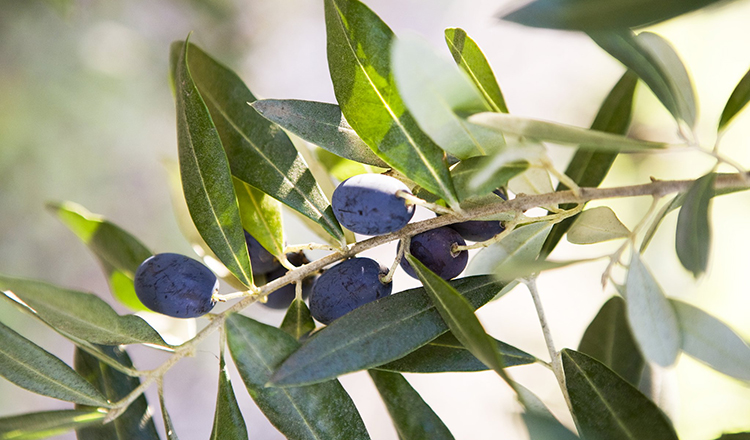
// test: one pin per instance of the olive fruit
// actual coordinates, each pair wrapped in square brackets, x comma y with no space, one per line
[367,204]
[478,230]
[175,285]
[261,260]
[433,248]
[281,298]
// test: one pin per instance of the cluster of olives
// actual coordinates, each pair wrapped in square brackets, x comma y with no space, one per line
[368,204]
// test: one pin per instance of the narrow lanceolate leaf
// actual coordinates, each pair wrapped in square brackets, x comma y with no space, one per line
[168,426]
[657,64]
[597,225]
[48,423]
[543,427]
[340,168]
[651,317]
[712,342]
[735,436]
[136,423]
[321,124]
[411,415]
[228,421]
[737,101]
[464,173]
[446,354]
[521,246]
[459,315]
[693,240]
[607,407]
[261,217]
[589,167]
[600,14]
[79,314]
[30,366]
[298,322]
[560,133]
[609,340]
[359,45]
[322,411]
[376,333]
[119,252]
[206,179]
[258,152]
[472,61]
[436,93]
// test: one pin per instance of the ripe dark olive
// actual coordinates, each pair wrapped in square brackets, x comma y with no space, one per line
[175,285]
[367,204]
[345,287]
[283,297]
[476,230]
[433,249]
[261,260]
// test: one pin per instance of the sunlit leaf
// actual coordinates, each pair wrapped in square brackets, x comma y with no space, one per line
[609,340]
[261,217]
[435,92]
[446,354]
[45,424]
[657,64]
[464,172]
[80,314]
[651,316]
[118,251]
[736,103]
[472,61]
[597,225]
[342,169]
[206,178]
[522,244]
[298,322]
[33,368]
[321,124]
[259,153]
[359,61]
[608,407]
[709,340]
[693,239]
[376,333]
[321,411]
[601,14]
[136,423]
[228,421]
[560,133]
[589,167]
[412,416]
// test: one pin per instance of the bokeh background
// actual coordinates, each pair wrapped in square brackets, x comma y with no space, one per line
[86,115]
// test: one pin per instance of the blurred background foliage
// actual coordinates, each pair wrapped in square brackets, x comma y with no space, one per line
[86,114]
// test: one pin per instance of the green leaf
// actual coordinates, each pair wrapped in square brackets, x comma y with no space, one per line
[693,240]
[261,217]
[735,436]
[206,178]
[472,61]
[228,421]
[119,253]
[712,342]
[459,315]
[82,315]
[596,225]
[376,333]
[589,167]
[411,415]
[321,411]
[560,133]
[607,407]
[464,173]
[737,101]
[45,424]
[136,423]
[601,14]
[657,64]
[609,340]
[650,315]
[321,124]
[258,152]
[446,354]
[359,60]
[168,426]
[33,368]
[340,168]
[435,91]
[542,427]
[298,322]
[520,246]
